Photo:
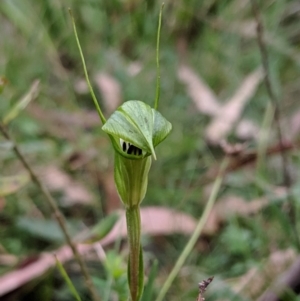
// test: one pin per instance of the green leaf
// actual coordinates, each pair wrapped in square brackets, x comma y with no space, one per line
[47,230]
[114,264]
[149,287]
[67,279]
[102,228]
[140,125]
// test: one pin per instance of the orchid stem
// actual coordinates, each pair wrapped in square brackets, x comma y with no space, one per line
[135,262]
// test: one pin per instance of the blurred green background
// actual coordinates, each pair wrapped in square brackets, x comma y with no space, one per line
[209,58]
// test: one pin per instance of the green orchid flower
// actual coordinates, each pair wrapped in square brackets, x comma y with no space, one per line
[135,129]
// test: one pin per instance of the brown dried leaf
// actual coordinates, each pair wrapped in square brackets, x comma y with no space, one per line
[64,124]
[110,90]
[81,86]
[8,260]
[155,221]
[227,117]
[203,97]
[246,28]
[233,149]
[78,159]
[134,68]
[233,205]
[247,130]
[75,193]
[255,281]
[112,199]
[293,125]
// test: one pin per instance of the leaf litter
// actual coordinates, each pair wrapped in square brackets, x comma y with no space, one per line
[111,91]
[223,123]
[253,283]
[200,93]
[171,222]
[74,192]
[234,206]
[224,116]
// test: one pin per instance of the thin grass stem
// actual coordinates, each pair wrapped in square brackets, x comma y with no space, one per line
[157,96]
[67,279]
[103,120]
[191,243]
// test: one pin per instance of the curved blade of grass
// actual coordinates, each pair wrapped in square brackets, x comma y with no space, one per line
[67,279]
[22,103]
[191,243]
[85,71]
[263,139]
[149,287]
[157,59]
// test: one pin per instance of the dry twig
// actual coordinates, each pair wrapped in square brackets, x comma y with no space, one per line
[275,101]
[202,288]
[58,215]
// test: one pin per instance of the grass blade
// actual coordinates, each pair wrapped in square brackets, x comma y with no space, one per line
[67,279]
[85,71]
[22,103]
[189,246]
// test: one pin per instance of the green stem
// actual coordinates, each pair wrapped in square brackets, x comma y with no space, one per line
[192,241]
[85,71]
[157,96]
[135,262]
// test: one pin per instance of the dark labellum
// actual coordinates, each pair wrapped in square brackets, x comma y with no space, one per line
[130,149]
